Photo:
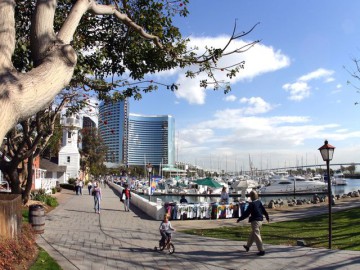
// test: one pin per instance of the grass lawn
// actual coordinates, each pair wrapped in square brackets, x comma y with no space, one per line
[314,230]
[45,262]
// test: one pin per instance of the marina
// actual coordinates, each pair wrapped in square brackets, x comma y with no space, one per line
[352,185]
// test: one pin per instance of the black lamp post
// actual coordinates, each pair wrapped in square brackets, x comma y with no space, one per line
[327,152]
[149,168]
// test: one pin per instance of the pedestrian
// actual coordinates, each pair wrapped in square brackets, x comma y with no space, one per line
[81,185]
[96,192]
[90,184]
[183,199]
[125,197]
[77,186]
[256,211]
[224,199]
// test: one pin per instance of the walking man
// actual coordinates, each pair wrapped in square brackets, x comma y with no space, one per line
[256,211]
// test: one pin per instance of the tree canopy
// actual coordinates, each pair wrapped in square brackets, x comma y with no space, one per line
[104,46]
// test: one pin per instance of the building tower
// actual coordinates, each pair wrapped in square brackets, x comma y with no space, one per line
[113,117]
[151,139]
[69,155]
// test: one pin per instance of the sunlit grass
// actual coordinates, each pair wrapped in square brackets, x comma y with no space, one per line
[45,262]
[314,231]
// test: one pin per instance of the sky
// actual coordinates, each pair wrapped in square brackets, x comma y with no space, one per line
[292,94]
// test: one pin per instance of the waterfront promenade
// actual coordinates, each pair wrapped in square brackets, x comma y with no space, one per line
[78,238]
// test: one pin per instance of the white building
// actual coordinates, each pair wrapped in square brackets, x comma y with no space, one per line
[69,155]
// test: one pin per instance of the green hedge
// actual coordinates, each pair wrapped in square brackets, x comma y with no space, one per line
[67,186]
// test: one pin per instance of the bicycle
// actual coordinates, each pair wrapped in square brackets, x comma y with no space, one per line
[166,245]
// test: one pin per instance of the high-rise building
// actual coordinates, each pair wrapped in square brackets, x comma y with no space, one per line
[151,139]
[134,139]
[113,117]
[88,122]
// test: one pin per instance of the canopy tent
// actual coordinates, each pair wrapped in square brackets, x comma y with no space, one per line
[210,182]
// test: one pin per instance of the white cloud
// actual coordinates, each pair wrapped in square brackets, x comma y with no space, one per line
[317,74]
[259,59]
[257,105]
[337,90]
[300,89]
[190,90]
[230,98]
[330,79]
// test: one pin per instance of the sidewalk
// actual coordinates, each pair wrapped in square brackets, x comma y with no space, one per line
[78,238]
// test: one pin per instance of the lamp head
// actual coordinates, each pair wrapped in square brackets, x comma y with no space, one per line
[327,151]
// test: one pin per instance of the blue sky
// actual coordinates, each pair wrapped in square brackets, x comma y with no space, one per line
[291,95]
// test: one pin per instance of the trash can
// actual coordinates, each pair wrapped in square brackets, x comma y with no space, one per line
[37,218]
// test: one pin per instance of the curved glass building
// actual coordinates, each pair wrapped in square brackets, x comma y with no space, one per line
[113,118]
[151,139]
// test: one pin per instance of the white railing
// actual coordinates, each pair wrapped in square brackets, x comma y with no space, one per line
[154,210]
[45,183]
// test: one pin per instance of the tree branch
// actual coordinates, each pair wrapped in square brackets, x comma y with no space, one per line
[7,34]
[42,29]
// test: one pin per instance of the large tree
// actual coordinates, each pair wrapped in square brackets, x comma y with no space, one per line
[23,144]
[48,45]
[93,151]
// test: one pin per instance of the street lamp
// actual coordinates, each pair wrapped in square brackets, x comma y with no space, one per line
[327,152]
[149,168]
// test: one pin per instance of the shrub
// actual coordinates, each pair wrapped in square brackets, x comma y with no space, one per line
[51,201]
[47,199]
[67,186]
[72,181]
[53,190]
[16,253]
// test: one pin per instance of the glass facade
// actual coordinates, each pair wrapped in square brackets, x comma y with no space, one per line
[113,117]
[151,139]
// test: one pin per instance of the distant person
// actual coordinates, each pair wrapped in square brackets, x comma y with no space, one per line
[81,185]
[77,186]
[183,199]
[224,198]
[90,184]
[256,211]
[96,192]
[125,197]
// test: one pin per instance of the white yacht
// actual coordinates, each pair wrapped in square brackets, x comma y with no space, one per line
[294,184]
[246,184]
[338,178]
[278,175]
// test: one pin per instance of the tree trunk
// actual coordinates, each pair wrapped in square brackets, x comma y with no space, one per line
[29,180]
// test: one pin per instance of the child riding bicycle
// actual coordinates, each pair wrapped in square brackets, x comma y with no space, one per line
[165,231]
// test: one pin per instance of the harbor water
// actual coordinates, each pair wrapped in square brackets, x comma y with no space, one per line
[352,185]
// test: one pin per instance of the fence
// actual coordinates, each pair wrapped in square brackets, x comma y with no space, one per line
[10,215]
[45,183]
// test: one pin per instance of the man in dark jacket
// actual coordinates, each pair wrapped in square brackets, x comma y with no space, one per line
[256,211]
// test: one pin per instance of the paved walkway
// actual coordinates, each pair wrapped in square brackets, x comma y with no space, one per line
[78,238]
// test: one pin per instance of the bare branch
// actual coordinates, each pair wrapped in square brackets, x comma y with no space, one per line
[107,9]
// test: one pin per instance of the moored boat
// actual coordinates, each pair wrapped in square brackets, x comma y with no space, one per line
[294,184]
[338,178]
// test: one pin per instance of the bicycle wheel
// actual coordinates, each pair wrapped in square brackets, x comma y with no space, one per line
[161,246]
[171,248]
